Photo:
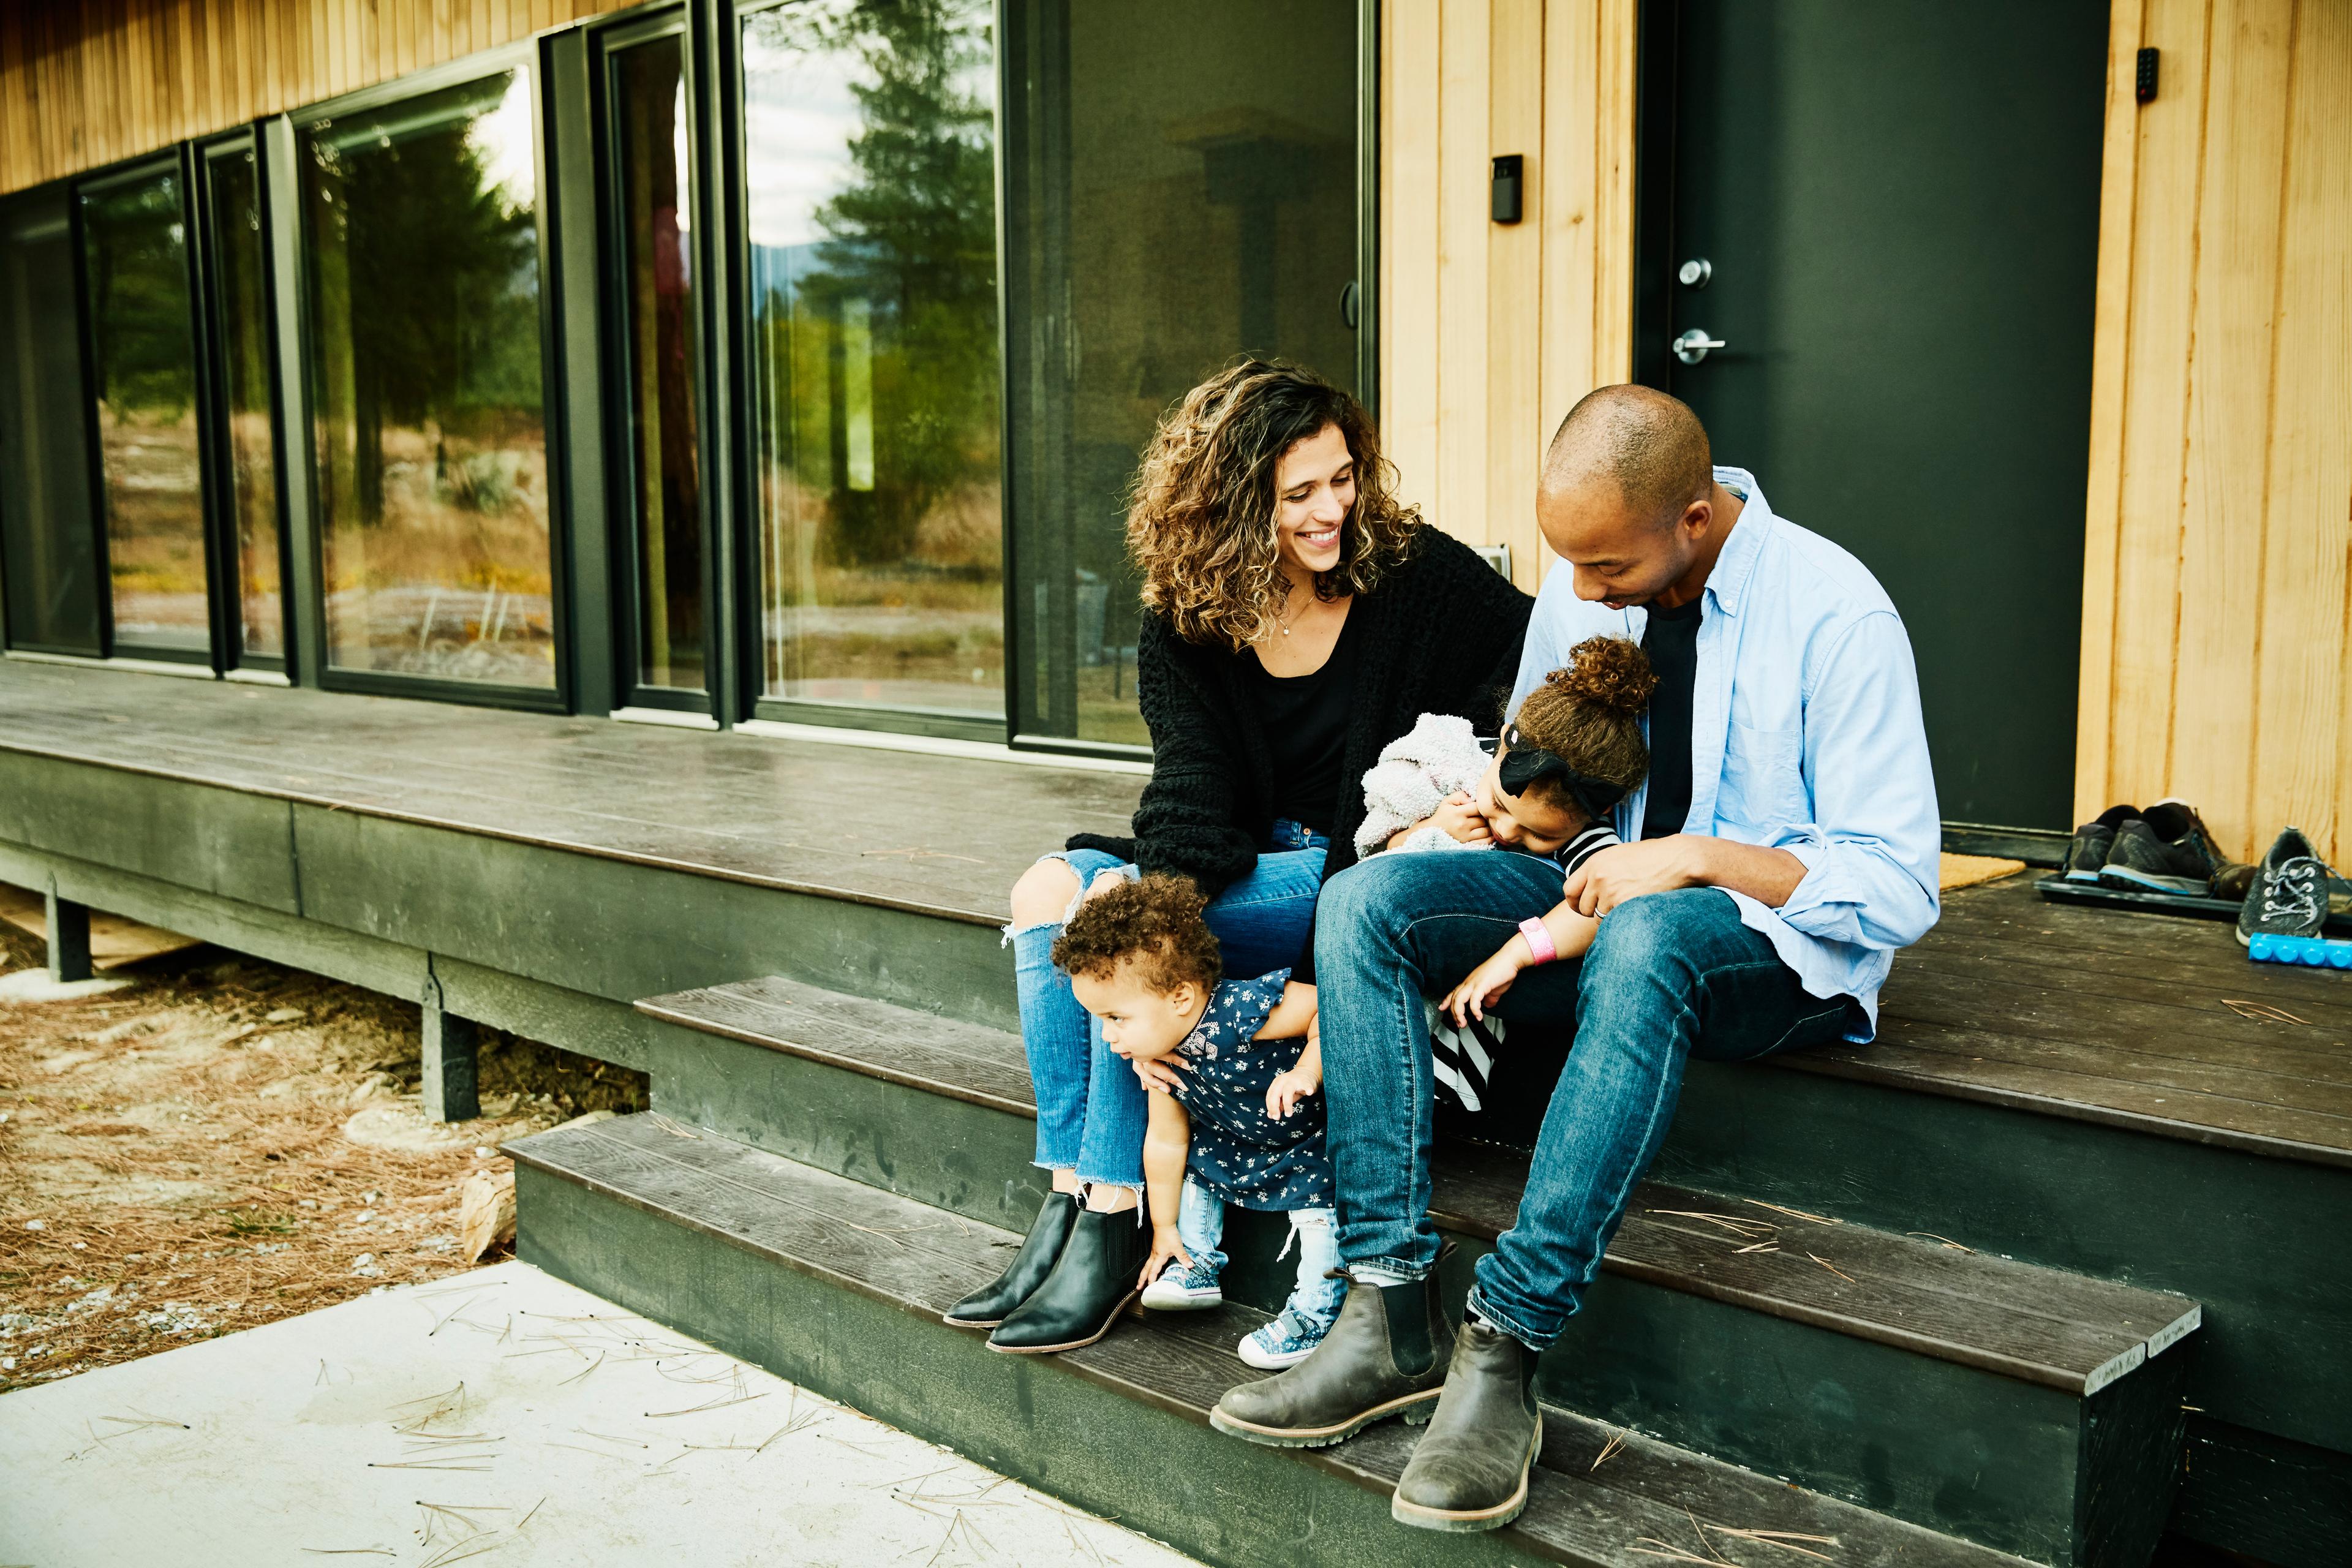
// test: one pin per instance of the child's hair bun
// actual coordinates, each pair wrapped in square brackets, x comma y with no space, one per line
[1607,672]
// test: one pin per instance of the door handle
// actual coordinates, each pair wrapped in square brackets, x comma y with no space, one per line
[1692,345]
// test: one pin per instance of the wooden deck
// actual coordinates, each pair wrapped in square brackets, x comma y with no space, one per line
[2143,1021]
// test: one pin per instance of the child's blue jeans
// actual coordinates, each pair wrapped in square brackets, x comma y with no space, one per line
[1090,1105]
[1201,1225]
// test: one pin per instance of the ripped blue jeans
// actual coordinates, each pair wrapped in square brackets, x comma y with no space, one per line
[1090,1106]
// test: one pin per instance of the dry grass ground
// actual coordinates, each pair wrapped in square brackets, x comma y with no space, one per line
[227,1143]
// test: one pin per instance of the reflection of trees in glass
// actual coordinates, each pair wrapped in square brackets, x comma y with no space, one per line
[139,299]
[907,276]
[436,276]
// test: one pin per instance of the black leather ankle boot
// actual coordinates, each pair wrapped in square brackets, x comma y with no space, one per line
[1093,1281]
[986,1307]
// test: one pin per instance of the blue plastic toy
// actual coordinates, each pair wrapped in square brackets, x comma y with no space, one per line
[2315,952]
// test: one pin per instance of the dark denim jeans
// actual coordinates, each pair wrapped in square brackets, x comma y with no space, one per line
[1670,976]
[1090,1106]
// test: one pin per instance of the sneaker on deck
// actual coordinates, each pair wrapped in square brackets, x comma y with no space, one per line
[2164,849]
[2088,850]
[1286,1340]
[2289,896]
[1180,1289]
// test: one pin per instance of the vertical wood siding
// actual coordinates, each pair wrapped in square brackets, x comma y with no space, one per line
[1489,333]
[84,85]
[2216,663]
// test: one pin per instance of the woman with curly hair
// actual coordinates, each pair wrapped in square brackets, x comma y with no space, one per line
[1297,618]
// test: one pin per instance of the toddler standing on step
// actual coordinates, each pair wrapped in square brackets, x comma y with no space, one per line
[1235,1115]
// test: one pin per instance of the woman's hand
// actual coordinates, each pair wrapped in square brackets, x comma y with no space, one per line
[1283,1095]
[1459,817]
[1159,1072]
[1167,1247]
[1485,985]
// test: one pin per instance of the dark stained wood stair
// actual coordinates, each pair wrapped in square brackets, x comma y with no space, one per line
[786,1264]
[1711,1306]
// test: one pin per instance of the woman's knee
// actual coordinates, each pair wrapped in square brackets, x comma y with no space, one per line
[1044,893]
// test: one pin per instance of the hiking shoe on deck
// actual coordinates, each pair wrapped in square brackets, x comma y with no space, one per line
[2289,897]
[2088,851]
[2165,849]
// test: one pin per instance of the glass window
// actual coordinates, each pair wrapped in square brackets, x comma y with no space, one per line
[49,549]
[870,200]
[143,358]
[423,336]
[1181,189]
[648,100]
[241,284]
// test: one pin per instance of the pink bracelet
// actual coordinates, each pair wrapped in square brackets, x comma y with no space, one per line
[1539,940]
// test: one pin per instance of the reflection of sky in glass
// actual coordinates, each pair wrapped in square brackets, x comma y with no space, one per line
[798,118]
[503,137]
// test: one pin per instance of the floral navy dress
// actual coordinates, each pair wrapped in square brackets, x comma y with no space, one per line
[1239,1153]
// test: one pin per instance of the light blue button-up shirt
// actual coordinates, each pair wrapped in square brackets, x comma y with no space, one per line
[1805,736]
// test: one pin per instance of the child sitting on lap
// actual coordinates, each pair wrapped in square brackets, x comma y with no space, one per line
[1234,1112]
[1573,750]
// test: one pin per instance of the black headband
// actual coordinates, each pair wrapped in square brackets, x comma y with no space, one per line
[1524,764]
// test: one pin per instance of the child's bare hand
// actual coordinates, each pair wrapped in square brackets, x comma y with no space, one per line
[1283,1095]
[1167,1247]
[1458,815]
[1482,989]
[1159,1072]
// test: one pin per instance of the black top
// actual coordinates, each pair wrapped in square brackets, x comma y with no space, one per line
[1439,635]
[1671,640]
[1305,719]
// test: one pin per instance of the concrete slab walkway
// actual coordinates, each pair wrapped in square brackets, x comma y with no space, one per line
[504,1419]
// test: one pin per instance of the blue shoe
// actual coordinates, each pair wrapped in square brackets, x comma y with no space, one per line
[1182,1289]
[1286,1340]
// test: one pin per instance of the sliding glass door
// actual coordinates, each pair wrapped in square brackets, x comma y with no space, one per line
[142,356]
[871,360]
[652,301]
[246,447]
[430,437]
[48,541]
[1181,187]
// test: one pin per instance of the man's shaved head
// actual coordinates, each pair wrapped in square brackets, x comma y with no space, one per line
[1650,448]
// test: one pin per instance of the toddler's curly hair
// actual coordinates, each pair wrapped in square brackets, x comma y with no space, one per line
[1155,923]
[1589,712]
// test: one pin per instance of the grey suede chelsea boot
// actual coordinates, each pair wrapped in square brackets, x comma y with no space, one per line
[1470,1469]
[1385,1356]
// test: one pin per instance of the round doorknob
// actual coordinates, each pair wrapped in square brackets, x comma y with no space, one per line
[1692,345]
[1696,272]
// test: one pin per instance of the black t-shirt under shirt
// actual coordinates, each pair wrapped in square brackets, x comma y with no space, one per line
[1306,723]
[1671,639]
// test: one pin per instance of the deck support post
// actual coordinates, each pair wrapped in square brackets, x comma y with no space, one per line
[452,1085]
[69,938]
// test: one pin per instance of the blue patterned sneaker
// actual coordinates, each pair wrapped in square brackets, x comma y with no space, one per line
[1289,1339]
[1182,1289]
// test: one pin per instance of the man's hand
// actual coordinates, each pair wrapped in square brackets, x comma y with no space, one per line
[1457,815]
[1159,1072]
[1625,871]
[1682,860]
[1485,985]
[1167,1247]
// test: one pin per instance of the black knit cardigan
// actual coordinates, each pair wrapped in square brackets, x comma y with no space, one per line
[1440,634]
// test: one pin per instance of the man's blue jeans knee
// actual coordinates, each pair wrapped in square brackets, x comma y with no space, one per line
[1670,975]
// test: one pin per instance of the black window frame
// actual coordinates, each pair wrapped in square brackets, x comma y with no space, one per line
[526,56]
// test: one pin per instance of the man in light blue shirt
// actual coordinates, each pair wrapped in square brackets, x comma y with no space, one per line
[1762,917]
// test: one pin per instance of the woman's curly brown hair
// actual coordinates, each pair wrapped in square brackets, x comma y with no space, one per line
[1201,517]
[1590,714]
[1156,922]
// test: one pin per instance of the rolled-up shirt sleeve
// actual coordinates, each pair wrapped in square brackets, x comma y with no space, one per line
[1871,852]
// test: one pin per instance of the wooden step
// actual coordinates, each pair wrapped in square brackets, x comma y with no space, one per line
[839,1286]
[1930,1295]
[1919,1360]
